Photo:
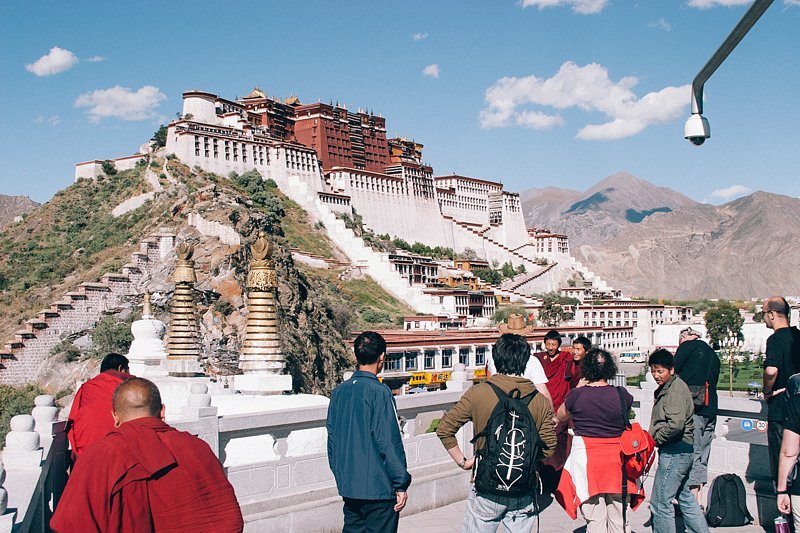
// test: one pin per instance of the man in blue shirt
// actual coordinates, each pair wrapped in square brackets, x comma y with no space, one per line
[365,449]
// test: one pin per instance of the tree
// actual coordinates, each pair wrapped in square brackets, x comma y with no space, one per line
[501,315]
[556,309]
[724,326]
[160,137]
[488,275]
[108,168]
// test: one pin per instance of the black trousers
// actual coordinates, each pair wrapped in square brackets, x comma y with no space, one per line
[370,516]
[774,439]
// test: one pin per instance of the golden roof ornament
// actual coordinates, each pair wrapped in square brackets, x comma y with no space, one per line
[184,266]
[261,359]
[262,275]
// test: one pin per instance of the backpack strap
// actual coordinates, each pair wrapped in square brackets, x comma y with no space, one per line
[626,423]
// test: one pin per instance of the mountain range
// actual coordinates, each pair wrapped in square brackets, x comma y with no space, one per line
[14,206]
[653,241]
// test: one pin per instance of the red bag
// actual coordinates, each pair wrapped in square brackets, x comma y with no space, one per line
[638,447]
[638,451]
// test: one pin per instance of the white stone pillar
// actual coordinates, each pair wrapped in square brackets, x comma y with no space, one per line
[458,378]
[44,414]
[648,387]
[22,444]
[6,520]
[198,405]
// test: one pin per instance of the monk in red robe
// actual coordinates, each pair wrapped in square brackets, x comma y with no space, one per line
[90,417]
[554,362]
[146,476]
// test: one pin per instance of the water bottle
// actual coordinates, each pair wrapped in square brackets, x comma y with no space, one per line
[781,525]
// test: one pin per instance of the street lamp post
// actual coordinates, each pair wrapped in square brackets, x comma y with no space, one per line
[697,129]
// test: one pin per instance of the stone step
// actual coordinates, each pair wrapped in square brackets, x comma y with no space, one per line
[24,334]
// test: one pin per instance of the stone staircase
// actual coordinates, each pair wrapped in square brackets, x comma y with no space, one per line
[527,278]
[78,310]
[490,245]
[361,256]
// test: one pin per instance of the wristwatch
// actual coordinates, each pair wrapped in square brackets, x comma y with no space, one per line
[462,463]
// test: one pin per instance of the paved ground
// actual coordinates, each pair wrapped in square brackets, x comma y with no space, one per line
[553,519]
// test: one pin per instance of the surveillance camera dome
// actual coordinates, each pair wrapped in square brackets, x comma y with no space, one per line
[697,129]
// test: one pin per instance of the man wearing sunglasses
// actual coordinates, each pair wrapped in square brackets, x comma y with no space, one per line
[781,362]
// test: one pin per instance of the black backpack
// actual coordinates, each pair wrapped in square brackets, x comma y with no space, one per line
[506,464]
[727,504]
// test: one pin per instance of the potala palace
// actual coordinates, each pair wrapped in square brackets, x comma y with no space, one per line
[337,163]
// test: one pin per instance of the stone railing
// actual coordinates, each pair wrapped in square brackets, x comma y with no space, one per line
[288,485]
[35,460]
[277,461]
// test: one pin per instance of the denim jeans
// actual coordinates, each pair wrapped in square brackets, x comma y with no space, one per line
[485,513]
[671,481]
[704,429]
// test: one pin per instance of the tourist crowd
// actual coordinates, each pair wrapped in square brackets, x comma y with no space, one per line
[548,425]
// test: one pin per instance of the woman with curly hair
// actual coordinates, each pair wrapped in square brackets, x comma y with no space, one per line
[592,479]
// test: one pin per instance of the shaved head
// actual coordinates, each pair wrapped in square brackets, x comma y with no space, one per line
[136,398]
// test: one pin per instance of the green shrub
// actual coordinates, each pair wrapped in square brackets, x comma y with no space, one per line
[15,401]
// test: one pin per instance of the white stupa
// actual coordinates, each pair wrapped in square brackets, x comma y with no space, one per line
[147,353]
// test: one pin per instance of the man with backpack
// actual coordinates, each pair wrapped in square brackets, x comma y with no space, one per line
[698,366]
[514,429]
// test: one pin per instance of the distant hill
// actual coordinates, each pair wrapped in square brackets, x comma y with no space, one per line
[652,241]
[601,212]
[14,206]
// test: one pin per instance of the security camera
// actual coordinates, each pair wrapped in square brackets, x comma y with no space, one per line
[697,129]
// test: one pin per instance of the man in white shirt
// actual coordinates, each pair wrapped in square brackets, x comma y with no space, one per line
[533,369]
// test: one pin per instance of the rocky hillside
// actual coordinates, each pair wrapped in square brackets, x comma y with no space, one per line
[654,242]
[75,238]
[14,206]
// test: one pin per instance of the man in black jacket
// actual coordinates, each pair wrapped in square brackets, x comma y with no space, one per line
[365,448]
[698,366]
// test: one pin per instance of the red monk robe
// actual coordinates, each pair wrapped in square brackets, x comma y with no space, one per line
[554,369]
[147,476]
[558,386]
[90,416]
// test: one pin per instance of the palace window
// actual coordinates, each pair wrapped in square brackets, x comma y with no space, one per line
[430,359]
[411,360]
[480,356]
[447,358]
[463,356]
[394,362]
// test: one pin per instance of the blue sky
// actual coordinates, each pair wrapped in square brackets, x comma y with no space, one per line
[533,93]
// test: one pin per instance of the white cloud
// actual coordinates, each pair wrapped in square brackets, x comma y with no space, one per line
[53,120]
[122,102]
[584,7]
[660,24]
[731,192]
[707,4]
[419,36]
[56,61]
[95,59]
[588,89]
[432,71]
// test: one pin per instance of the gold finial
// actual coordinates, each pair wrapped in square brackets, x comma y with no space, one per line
[262,249]
[146,311]
[184,266]
[184,251]
[262,275]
